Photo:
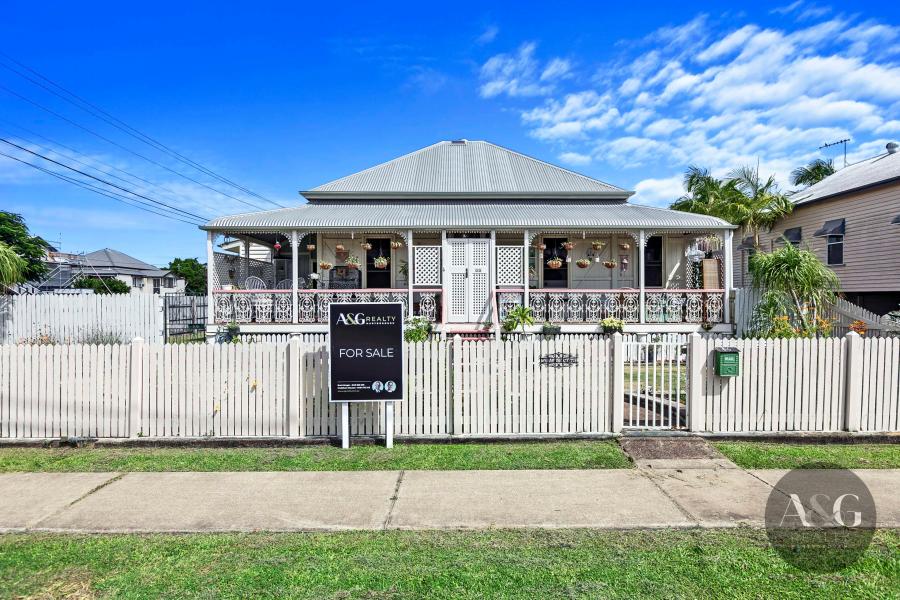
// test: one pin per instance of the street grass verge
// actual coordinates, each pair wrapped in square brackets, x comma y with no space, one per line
[449,564]
[581,454]
[769,455]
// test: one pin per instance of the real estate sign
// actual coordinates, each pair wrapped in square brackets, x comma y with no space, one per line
[366,341]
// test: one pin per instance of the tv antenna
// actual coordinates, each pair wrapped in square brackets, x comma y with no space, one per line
[843,141]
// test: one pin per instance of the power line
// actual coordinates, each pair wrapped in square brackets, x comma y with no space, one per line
[125,148]
[99,113]
[96,189]
[103,181]
[99,162]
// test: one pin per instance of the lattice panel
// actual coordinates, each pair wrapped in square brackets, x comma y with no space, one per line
[457,255]
[234,270]
[426,265]
[458,296]
[509,265]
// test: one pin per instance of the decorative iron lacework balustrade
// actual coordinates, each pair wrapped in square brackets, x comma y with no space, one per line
[312,306]
[569,306]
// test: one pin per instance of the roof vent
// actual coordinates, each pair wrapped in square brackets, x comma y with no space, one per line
[461,142]
[892,147]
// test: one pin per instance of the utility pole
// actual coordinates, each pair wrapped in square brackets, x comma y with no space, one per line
[843,141]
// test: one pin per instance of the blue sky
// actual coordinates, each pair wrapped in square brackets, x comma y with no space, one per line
[283,97]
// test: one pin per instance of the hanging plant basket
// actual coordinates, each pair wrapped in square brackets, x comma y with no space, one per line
[597,245]
[310,247]
[555,263]
[380,262]
[583,263]
[568,246]
[365,246]
[352,262]
[339,248]
[609,264]
[625,246]
[325,266]
[277,246]
[541,246]
[396,245]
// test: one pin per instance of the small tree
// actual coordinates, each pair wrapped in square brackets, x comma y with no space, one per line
[796,284]
[31,248]
[518,317]
[12,267]
[193,272]
[102,285]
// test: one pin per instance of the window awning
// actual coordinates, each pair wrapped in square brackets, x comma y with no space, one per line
[896,220]
[793,235]
[833,227]
[746,244]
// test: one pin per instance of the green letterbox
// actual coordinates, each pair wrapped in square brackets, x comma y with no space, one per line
[728,362]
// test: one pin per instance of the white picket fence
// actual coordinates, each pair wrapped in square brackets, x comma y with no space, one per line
[454,387]
[79,318]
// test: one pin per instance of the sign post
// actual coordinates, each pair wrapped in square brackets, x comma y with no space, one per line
[366,359]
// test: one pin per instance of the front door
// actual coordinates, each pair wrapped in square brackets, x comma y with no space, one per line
[468,273]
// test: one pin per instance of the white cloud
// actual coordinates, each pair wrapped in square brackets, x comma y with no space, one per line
[721,97]
[659,192]
[488,35]
[518,74]
[575,159]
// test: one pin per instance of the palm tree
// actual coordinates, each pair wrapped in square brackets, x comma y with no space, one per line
[812,173]
[12,266]
[759,204]
[742,199]
[796,281]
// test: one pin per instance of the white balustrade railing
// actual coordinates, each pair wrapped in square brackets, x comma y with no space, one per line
[590,306]
[276,306]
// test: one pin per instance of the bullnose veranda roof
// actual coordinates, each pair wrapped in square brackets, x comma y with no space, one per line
[469,168]
[469,215]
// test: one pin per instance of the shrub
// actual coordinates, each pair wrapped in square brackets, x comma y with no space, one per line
[417,329]
[612,325]
[102,285]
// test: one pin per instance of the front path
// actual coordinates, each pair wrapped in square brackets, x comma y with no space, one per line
[328,501]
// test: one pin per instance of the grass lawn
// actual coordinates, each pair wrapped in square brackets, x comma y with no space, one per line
[495,564]
[764,455]
[600,454]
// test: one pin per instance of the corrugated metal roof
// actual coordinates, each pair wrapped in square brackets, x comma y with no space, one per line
[468,215]
[470,168]
[108,260]
[879,169]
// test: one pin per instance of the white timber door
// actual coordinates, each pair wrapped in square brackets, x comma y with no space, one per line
[468,275]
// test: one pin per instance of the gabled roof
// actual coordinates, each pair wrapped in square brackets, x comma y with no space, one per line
[475,214]
[109,261]
[469,169]
[872,171]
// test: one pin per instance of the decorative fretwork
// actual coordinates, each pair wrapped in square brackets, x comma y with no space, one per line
[593,307]
[556,308]
[312,306]
[538,307]
[655,305]
[714,305]
[694,308]
[243,308]
[284,308]
[428,305]
[426,265]
[509,265]
[506,301]
[262,308]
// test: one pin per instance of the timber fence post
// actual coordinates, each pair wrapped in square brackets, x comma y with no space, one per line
[136,379]
[853,377]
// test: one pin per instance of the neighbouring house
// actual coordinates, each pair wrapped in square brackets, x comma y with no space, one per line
[143,278]
[851,220]
[462,231]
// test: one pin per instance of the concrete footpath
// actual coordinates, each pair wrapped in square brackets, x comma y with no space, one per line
[666,495]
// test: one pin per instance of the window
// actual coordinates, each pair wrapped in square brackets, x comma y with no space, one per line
[653,262]
[170,282]
[835,249]
[157,282]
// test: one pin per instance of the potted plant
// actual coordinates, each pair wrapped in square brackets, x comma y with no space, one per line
[352,262]
[609,264]
[706,325]
[380,262]
[612,325]
[325,266]
[396,245]
[365,246]
[583,263]
[569,246]
[597,245]
[518,317]
[541,246]
[859,327]
[339,248]
[310,247]
[555,263]
[549,328]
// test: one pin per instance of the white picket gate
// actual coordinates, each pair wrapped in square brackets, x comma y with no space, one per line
[655,384]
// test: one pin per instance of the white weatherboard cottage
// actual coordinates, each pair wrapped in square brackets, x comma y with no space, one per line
[462,231]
